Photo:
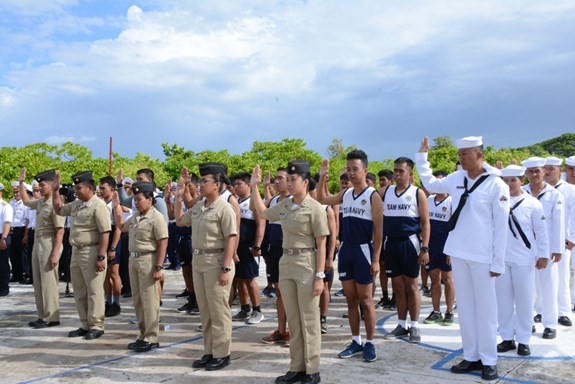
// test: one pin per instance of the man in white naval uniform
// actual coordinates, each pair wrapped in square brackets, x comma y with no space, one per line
[553,178]
[527,249]
[569,176]
[547,280]
[476,245]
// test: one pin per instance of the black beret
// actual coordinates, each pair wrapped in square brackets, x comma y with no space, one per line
[212,168]
[82,176]
[143,186]
[298,166]
[48,175]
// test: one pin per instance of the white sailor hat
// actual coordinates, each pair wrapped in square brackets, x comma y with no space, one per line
[553,161]
[35,184]
[469,142]
[15,185]
[513,170]
[570,161]
[127,180]
[533,162]
[1,187]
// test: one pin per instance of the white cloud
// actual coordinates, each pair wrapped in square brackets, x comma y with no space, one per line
[56,140]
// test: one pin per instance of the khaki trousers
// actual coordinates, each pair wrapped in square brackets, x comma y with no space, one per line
[145,296]
[213,303]
[297,275]
[88,287]
[45,279]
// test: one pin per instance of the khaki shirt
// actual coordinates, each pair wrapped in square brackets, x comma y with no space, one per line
[91,218]
[46,219]
[211,226]
[300,224]
[145,231]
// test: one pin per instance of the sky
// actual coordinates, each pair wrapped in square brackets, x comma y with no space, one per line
[222,74]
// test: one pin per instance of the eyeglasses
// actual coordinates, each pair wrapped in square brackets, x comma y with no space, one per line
[204,181]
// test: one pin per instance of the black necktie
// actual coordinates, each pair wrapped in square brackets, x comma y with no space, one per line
[513,221]
[453,220]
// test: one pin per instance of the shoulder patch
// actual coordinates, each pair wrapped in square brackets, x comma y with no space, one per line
[559,202]
[503,198]
[542,218]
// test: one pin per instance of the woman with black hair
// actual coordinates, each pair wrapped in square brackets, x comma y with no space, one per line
[214,230]
[301,268]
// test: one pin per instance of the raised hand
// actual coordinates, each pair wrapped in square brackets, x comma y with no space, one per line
[424,147]
[22,177]
[56,183]
[256,176]
[120,177]
[185,174]
[267,179]
[324,168]
[115,199]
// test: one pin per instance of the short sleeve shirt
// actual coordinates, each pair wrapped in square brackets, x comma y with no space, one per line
[6,214]
[46,219]
[91,218]
[211,225]
[302,224]
[146,230]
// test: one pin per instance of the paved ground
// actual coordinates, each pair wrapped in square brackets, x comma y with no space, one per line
[48,356]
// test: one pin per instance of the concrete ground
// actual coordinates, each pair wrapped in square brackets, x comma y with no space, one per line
[49,356]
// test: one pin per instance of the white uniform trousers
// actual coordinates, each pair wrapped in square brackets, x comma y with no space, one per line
[564,293]
[477,310]
[573,287]
[546,284]
[515,298]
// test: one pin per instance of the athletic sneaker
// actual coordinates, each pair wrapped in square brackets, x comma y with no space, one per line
[434,317]
[276,337]
[383,302]
[352,349]
[241,316]
[397,333]
[256,317]
[265,291]
[272,294]
[369,352]
[339,293]
[323,324]
[184,293]
[186,308]
[425,291]
[414,335]
[448,319]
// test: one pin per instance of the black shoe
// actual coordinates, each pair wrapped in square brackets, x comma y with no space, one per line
[549,333]
[185,293]
[523,350]
[311,379]
[35,322]
[113,309]
[564,320]
[15,279]
[27,281]
[465,366]
[219,363]
[489,372]
[202,362]
[537,318]
[290,377]
[135,344]
[78,333]
[93,334]
[4,292]
[146,346]
[187,308]
[506,345]
[45,324]
[127,294]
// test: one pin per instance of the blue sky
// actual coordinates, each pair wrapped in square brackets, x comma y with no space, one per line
[222,74]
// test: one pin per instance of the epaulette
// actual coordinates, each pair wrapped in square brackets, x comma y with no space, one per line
[3,202]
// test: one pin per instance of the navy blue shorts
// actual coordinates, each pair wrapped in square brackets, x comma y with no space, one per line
[184,250]
[355,263]
[401,258]
[328,276]
[247,267]
[438,260]
[273,263]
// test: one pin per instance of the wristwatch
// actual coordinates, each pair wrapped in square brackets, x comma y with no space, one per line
[425,249]
[256,248]
[226,269]
[158,267]
[101,258]
[320,275]
[113,249]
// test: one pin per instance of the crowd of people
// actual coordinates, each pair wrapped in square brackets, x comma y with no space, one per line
[500,245]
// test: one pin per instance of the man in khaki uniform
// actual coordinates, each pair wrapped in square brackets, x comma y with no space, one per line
[214,232]
[89,237]
[148,240]
[46,250]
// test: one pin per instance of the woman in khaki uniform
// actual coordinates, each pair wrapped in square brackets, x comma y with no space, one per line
[301,268]
[214,231]
[148,239]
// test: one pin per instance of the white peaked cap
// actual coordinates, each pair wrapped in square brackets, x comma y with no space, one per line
[553,161]
[513,170]
[533,162]
[469,142]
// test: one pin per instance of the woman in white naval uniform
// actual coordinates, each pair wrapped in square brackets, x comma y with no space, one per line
[527,249]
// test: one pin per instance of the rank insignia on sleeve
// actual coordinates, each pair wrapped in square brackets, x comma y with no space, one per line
[503,198]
